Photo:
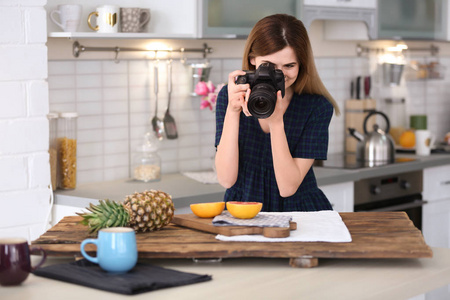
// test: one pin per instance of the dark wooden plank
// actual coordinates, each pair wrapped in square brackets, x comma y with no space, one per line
[374,235]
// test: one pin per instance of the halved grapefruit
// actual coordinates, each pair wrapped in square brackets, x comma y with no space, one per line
[244,210]
[207,210]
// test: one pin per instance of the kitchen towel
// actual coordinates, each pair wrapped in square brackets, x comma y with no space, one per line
[315,226]
[203,177]
[261,220]
[142,278]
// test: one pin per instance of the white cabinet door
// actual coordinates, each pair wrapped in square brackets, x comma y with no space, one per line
[436,223]
[343,3]
[340,196]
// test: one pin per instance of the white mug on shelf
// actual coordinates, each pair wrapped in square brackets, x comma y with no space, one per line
[424,141]
[69,16]
[108,17]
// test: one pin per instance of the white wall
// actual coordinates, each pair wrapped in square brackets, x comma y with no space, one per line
[24,161]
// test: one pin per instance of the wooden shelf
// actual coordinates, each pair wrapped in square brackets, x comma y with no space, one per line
[119,35]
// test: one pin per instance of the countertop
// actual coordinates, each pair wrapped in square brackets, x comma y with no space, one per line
[259,278]
[185,190]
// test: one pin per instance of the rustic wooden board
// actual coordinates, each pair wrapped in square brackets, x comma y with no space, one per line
[205,224]
[374,235]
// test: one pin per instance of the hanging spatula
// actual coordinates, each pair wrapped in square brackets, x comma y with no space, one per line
[169,122]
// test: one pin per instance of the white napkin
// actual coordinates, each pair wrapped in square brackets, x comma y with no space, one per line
[208,177]
[316,226]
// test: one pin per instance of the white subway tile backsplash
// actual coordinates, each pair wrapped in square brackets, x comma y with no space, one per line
[115,80]
[116,160]
[116,121]
[89,136]
[117,102]
[90,108]
[61,67]
[88,67]
[61,82]
[110,67]
[89,122]
[89,95]
[89,81]
[90,149]
[115,93]
[114,134]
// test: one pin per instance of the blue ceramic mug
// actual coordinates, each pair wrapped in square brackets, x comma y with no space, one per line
[116,249]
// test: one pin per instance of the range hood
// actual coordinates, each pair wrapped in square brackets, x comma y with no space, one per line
[340,16]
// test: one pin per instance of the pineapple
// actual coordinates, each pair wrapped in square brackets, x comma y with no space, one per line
[146,211]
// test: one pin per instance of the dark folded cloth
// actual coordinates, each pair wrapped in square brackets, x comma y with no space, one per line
[142,278]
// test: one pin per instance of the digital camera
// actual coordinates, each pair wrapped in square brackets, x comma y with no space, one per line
[265,82]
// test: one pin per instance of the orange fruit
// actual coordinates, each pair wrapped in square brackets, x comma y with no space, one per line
[244,210]
[207,210]
[407,139]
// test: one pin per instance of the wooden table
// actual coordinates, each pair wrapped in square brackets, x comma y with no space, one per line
[374,235]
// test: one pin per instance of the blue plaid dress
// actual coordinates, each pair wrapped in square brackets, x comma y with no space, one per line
[306,122]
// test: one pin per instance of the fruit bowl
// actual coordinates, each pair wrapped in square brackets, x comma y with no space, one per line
[244,210]
[207,210]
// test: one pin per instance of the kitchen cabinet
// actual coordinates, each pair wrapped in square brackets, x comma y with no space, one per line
[412,19]
[340,196]
[436,215]
[342,19]
[236,18]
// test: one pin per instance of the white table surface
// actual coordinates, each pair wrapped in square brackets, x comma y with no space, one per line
[258,278]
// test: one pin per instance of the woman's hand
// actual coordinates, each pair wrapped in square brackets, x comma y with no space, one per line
[237,93]
[280,109]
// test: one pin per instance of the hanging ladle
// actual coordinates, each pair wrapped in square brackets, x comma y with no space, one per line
[169,122]
[158,126]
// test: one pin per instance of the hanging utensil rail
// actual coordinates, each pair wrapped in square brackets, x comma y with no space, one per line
[78,49]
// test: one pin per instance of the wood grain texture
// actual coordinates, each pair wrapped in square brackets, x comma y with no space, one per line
[374,235]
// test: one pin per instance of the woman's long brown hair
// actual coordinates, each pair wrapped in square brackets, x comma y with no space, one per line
[272,34]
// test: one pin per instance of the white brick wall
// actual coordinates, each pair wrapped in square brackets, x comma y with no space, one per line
[24,162]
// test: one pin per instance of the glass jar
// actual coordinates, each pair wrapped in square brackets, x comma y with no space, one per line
[147,163]
[53,147]
[67,150]
[396,112]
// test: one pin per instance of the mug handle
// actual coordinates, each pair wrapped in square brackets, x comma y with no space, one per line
[87,256]
[89,20]
[35,250]
[53,18]
[147,18]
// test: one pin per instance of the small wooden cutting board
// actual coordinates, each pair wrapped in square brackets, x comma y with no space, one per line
[205,224]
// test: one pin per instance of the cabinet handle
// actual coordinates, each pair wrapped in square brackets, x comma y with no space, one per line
[445,182]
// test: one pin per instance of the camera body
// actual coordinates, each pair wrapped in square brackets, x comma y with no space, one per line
[265,82]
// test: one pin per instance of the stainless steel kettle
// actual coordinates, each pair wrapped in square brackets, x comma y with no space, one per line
[375,148]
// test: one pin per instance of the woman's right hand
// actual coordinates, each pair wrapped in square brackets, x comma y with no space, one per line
[236,92]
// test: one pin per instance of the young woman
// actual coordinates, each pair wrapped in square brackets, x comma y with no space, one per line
[269,160]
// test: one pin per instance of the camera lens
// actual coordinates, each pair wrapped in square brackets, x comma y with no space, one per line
[262,100]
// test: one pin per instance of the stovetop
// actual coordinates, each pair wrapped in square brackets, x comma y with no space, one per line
[348,161]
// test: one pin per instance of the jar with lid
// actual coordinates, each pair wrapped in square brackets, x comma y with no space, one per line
[67,150]
[146,165]
[53,147]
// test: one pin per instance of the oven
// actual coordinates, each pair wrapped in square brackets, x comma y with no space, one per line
[398,192]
